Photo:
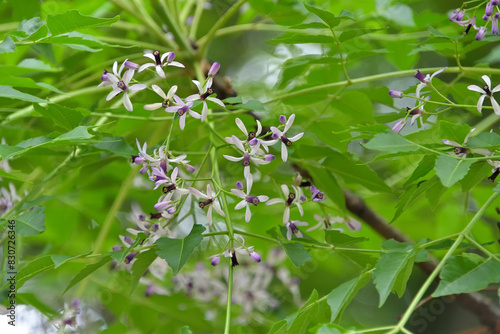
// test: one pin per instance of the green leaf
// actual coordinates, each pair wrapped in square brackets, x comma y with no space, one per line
[7,45]
[305,315]
[11,93]
[279,328]
[341,296]
[355,173]
[61,116]
[59,260]
[296,253]
[467,273]
[87,271]
[326,181]
[410,196]
[141,264]
[78,133]
[78,41]
[73,20]
[13,175]
[478,173]
[328,17]
[177,251]
[186,330]
[116,145]
[451,170]
[32,269]
[31,222]
[392,142]
[290,38]
[392,272]
[454,132]
[424,167]
[337,238]
[484,140]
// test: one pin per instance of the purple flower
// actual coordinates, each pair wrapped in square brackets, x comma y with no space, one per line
[167,98]
[291,227]
[204,96]
[494,24]
[481,33]
[494,2]
[282,119]
[286,142]
[317,196]
[210,201]
[252,137]
[489,9]
[290,199]
[247,199]
[182,109]
[247,158]
[131,65]
[461,150]
[239,185]
[121,86]
[456,15]
[395,94]
[420,76]
[486,91]
[158,62]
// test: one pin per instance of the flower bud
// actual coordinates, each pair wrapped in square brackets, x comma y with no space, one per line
[253,141]
[269,157]
[190,169]
[494,2]
[171,211]
[104,76]
[128,240]
[420,77]
[489,9]
[170,57]
[239,185]
[255,257]
[131,66]
[215,261]
[395,94]
[282,119]
[214,69]
[117,248]
[481,33]
[275,135]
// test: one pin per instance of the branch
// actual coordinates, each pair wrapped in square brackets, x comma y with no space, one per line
[487,313]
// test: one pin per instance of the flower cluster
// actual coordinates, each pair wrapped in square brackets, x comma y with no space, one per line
[418,111]
[255,150]
[171,103]
[458,16]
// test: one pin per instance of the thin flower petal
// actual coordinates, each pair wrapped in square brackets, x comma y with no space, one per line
[160,72]
[159,91]
[241,126]
[143,67]
[476,89]
[284,152]
[153,106]
[137,87]
[480,102]
[127,103]
[113,93]
[248,214]
[241,204]
[487,80]
[496,107]
[289,123]
[230,158]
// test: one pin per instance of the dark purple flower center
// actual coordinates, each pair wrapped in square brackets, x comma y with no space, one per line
[251,135]
[285,140]
[294,228]
[155,215]
[289,200]
[412,111]
[157,54]
[460,150]
[246,160]
[468,29]
[182,110]
[169,188]
[204,204]
[305,184]
[234,260]
[253,200]
[420,76]
[122,85]
[165,104]
[487,90]
[209,92]
[129,257]
[494,175]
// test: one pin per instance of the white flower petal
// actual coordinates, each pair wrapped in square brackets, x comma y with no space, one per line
[150,56]
[289,123]
[285,189]
[249,182]
[296,137]
[480,102]
[248,214]
[284,152]
[143,67]
[160,72]
[476,89]
[275,200]
[199,86]
[127,103]
[159,91]
[113,93]
[241,204]
[487,80]
[230,158]
[286,215]
[182,121]
[241,126]
[496,107]
[153,106]
[239,193]
[263,198]
[137,87]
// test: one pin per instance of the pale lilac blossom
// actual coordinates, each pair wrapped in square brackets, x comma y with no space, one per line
[204,96]
[167,98]
[247,199]
[486,91]
[182,109]
[160,61]
[210,201]
[285,141]
[122,86]
[291,199]
[291,227]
